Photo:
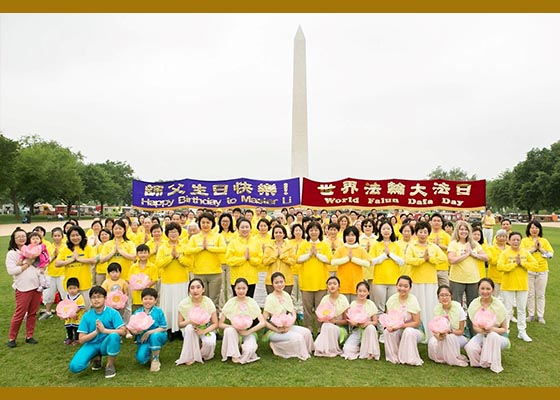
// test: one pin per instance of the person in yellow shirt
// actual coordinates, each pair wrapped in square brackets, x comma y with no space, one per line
[387,259]
[142,266]
[244,256]
[172,260]
[227,230]
[77,258]
[488,222]
[350,259]
[119,249]
[494,252]
[279,256]
[313,257]
[407,238]
[206,248]
[515,262]
[424,258]
[541,249]
[439,237]
[463,254]
[367,240]
[100,273]
[334,240]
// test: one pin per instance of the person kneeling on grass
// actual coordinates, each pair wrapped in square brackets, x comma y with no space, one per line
[151,339]
[100,332]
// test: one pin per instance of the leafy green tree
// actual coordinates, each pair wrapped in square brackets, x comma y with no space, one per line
[9,152]
[454,174]
[99,185]
[46,171]
[121,174]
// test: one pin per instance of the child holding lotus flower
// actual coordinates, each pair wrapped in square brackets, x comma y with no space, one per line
[198,317]
[149,326]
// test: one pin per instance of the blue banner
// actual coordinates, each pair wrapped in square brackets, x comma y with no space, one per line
[215,194]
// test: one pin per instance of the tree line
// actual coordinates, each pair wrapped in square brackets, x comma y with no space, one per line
[34,170]
[532,185]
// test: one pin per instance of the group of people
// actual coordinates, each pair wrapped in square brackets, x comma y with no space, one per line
[196,274]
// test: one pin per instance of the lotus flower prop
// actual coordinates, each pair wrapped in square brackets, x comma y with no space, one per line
[116,299]
[283,320]
[139,281]
[325,311]
[357,315]
[484,318]
[439,324]
[140,321]
[66,309]
[392,319]
[30,251]
[199,316]
[241,322]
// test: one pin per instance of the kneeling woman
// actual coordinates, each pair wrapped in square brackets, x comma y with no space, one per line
[402,337]
[445,345]
[245,320]
[286,339]
[362,318]
[485,349]
[332,313]
[197,314]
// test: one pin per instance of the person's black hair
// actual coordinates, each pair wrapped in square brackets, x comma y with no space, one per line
[172,225]
[195,280]
[347,231]
[226,216]
[97,290]
[533,223]
[83,240]
[142,247]
[406,278]
[489,280]
[208,216]
[393,237]
[314,224]
[276,275]
[114,266]
[149,292]
[72,282]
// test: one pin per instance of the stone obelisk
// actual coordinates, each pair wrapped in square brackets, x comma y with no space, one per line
[299,109]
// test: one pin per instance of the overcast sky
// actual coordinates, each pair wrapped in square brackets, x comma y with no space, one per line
[209,96]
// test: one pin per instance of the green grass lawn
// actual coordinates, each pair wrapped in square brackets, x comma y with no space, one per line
[46,364]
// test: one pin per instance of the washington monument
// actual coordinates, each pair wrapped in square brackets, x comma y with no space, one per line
[299,109]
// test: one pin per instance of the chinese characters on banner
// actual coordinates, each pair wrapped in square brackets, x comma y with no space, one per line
[395,193]
[215,194]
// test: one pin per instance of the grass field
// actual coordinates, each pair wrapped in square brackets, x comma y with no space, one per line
[46,364]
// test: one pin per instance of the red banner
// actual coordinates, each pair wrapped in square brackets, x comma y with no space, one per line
[395,193]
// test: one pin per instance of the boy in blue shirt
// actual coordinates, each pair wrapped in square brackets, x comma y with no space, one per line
[100,332]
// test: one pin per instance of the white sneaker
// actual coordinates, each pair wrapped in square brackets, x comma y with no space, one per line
[523,336]
[514,320]
[542,321]
[381,338]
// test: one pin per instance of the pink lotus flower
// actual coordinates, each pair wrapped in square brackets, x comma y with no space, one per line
[116,299]
[439,324]
[283,320]
[30,251]
[325,311]
[357,315]
[484,318]
[140,321]
[392,319]
[67,309]
[199,316]
[241,322]
[139,281]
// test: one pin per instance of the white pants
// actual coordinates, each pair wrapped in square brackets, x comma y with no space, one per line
[520,297]
[537,290]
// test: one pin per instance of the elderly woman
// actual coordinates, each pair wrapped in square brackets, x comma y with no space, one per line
[26,283]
